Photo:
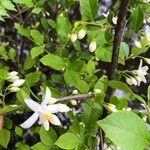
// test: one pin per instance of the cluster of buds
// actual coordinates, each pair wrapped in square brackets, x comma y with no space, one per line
[16,81]
[80,35]
[137,76]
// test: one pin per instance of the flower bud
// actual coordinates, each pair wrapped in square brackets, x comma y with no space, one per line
[92,46]
[13,73]
[73,37]
[112,107]
[18,83]
[14,89]
[52,100]
[12,78]
[81,34]
[75,92]
[137,44]
[97,91]
[147,60]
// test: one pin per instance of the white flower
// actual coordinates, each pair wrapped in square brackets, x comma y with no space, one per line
[13,73]
[81,34]
[73,37]
[105,14]
[14,89]
[12,76]
[141,73]
[18,83]
[92,46]
[44,112]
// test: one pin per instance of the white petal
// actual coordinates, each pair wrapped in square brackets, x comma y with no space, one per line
[141,63]
[52,100]
[18,82]
[55,120]
[57,108]
[46,125]
[47,97]
[30,121]
[144,69]
[63,108]
[52,108]
[32,104]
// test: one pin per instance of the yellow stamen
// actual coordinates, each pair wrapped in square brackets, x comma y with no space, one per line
[47,116]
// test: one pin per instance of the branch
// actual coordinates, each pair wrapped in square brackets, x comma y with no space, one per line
[77,97]
[121,22]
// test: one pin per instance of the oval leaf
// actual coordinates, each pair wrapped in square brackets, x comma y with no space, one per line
[68,141]
[53,61]
[127,130]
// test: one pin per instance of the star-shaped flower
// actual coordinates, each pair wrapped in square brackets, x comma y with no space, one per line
[44,112]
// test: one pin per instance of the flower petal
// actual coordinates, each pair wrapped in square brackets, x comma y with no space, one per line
[55,120]
[30,121]
[57,108]
[47,97]
[32,104]
[46,125]
[141,63]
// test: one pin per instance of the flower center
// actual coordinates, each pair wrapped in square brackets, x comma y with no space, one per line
[47,116]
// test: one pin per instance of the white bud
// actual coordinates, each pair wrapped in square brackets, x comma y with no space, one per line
[134,81]
[73,102]
[75,92]
[137,44]
[14,89]
[73,37]
[81,34]
[13,73]
[112,107]
[12,78]
[97,91]
[92,46]
[147,60]
[114,20]
[128,80]
[18,83]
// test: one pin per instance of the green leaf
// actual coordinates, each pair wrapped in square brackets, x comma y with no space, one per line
[138,51]
[12,53]
[29,63]
[90,67]
[40,146]
[89,8]
[18,131]
[73,78]
[3,73]
[148,96]
[104,53]
[136,19]
[35,51]
[37,37]
[122,86]
[49,137]
[119,85]
[22,30]
[7,4]
[68,141]
[127,130]
[32,78]
[124,52]
[28,3]
[5,137]
[9,108]
[53,61]
[63,26]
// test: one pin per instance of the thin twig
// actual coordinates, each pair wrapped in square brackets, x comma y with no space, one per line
[77,97]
